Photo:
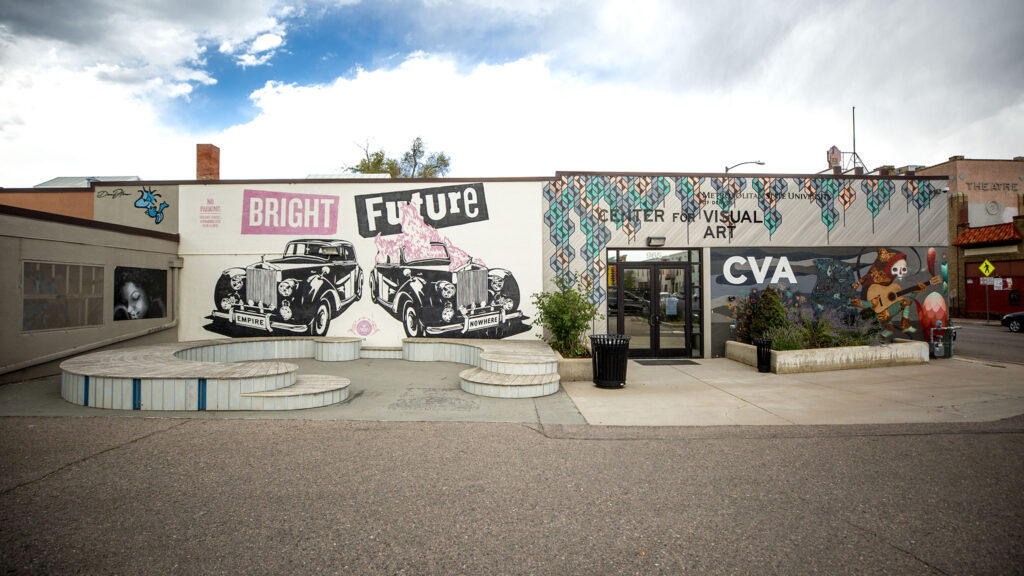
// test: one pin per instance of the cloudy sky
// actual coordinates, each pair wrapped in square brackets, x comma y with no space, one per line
[507,88]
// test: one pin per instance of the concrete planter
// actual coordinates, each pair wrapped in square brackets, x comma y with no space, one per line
[899,353]
[573,369]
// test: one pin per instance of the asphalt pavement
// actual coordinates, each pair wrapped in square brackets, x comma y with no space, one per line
[988,340]
[903,470]
[102,495]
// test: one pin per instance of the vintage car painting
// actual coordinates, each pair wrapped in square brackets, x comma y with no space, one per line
[312,283]
[430,299]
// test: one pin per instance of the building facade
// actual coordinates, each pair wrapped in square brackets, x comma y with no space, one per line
[986,225]
[668,258]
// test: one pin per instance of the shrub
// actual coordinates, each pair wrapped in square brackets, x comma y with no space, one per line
[768,314]
[788,336]
[818,333]
[566,315]
[743,312]
[796,325]
[853,327]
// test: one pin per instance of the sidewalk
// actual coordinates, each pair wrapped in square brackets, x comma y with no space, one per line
[719,391]
[712,392]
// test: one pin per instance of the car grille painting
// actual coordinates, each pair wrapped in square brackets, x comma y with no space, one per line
[261,286]
[472,287]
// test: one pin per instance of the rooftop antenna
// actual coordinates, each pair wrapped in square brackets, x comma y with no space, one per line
[853,111]
[846,161]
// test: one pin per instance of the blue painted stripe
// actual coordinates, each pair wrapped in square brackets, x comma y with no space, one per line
[202,394]
[86,390]
[136,394]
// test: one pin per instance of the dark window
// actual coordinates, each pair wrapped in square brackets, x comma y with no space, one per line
[61,296]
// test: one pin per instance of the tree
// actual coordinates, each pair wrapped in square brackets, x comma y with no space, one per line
[768,313]
[566,314]
[415,163]
[376,163]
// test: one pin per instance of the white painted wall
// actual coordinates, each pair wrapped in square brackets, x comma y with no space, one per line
[210,224]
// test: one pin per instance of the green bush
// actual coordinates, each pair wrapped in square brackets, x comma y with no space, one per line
[768,313]
[788,336]
[818,333]
[566,315]
[762,315]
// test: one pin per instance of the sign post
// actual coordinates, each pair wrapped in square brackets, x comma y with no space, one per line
[987,269]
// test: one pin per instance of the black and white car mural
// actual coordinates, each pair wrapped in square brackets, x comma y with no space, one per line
[312,283]
[431,299]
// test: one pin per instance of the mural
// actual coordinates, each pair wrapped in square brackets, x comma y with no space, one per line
[584,214]
[443,206]
[312,283]
[151,202]
[902,286]
[139,293]
[139,205]
[233,238]
[437,289]
[267,212]
[880,288]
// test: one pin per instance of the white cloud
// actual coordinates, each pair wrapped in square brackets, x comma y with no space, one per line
[521,119]
[140,43]
[265,42]
[261,50]
[516,119]
[653,85]
[247,60]
[79,125]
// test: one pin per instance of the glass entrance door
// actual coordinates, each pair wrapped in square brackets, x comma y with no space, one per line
[634,305]
[672,321]
[652,303]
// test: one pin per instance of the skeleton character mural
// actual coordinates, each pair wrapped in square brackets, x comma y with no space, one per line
[881,290]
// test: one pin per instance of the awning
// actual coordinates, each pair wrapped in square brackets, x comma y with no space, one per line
[989,236]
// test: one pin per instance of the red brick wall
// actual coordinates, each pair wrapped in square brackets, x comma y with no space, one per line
[207,162]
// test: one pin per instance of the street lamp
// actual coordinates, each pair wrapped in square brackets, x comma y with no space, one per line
[758,162]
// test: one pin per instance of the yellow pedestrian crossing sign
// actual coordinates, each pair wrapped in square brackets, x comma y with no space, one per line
[987,268]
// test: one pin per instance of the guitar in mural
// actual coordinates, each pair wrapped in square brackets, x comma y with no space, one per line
[881,290]
[882,296]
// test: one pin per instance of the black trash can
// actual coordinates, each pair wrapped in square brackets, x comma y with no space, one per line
[609,355]
[764,354]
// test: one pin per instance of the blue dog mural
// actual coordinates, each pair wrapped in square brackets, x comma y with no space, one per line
[150,201]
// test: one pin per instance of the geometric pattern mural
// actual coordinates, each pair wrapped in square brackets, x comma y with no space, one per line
[584,212]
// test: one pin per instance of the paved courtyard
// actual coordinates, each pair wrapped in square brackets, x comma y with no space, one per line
[709,468]
[709,392]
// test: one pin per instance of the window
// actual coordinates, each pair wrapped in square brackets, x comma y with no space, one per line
[61,296]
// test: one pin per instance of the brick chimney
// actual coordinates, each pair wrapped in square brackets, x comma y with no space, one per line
[207,162]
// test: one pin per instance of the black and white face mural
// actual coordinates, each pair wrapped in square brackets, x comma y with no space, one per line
[139,293]
[421,279]
[300,294]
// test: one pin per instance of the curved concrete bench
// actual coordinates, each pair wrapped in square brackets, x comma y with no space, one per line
[503,368]
[208,375]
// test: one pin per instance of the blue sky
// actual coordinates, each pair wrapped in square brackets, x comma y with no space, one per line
[336,43]
[290,88]
[329,42]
